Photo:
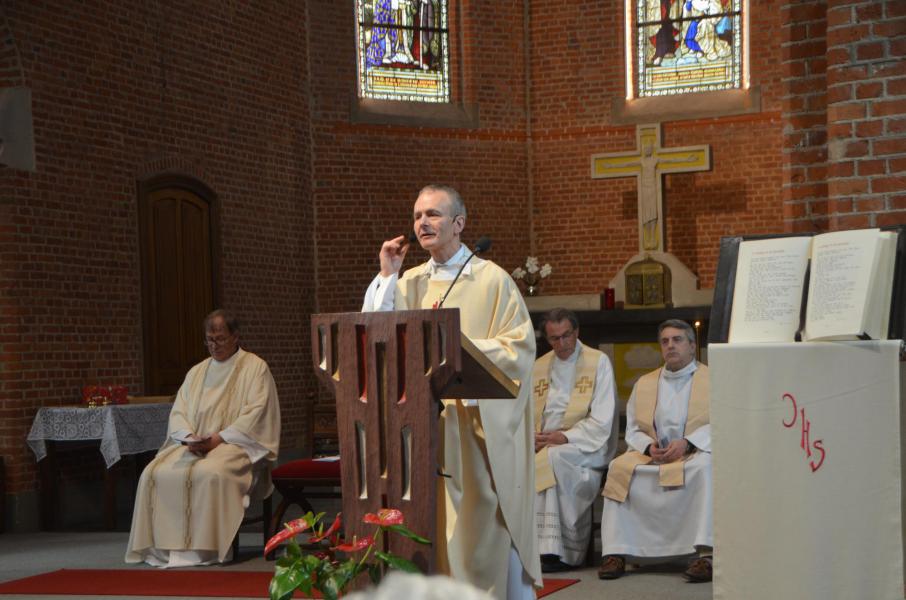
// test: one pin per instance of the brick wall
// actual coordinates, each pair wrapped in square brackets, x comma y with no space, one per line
[844,114]
[217,92]
[866,113]
[804,64]
[577,74]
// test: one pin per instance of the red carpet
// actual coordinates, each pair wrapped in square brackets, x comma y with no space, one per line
[154,582]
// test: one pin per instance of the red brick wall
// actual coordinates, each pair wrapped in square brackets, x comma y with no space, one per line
[587,228]
[121,92]
[844,114]
[804,64]
[866,114]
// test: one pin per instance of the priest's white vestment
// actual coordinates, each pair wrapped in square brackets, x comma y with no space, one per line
[189,508]
[486,445]
[563,510]
[658,521]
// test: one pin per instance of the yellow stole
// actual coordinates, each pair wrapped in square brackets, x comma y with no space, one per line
[672,474]
[576,410]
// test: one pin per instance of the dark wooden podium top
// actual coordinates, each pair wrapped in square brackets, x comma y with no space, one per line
[479,377]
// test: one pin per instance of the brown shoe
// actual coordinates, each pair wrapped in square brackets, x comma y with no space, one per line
[614,566]
[699,570]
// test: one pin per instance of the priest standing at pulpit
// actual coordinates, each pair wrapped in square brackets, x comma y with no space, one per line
[487,504]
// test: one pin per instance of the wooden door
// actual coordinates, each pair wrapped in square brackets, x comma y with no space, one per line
[178,280]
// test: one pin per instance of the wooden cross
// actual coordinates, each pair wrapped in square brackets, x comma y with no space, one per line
[648,163]
[583,384]
[541,388]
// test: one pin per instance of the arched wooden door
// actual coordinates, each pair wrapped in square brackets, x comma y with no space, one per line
[179,277]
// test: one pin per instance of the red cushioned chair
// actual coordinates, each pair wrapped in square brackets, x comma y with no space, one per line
[301,480]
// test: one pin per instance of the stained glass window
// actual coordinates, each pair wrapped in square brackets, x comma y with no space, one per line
[403,50]
[687,46]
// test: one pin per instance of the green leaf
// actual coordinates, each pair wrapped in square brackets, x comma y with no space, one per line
[328,588]
[405,531]
[374,573]
[283,584]
[345,573]
[398,562]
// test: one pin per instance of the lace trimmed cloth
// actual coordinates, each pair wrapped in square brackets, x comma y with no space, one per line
[122,428]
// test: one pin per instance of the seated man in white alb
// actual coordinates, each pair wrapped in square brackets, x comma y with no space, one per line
[658,494]
[224,430]
[575,438]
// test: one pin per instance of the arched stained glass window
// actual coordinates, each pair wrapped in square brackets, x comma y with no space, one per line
[403,48]
[684,46]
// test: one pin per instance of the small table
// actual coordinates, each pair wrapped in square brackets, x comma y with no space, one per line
[120,429]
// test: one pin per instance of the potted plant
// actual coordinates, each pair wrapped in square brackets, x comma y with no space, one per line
[329,564]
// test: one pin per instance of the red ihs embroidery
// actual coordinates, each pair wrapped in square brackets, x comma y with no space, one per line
[805,429]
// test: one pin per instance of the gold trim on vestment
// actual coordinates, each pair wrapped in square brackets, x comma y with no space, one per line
[577,408]
[619,475]
[196,392]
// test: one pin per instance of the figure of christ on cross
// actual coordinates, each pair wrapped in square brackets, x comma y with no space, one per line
[649,163]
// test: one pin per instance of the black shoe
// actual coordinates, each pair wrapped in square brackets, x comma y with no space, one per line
[555,566]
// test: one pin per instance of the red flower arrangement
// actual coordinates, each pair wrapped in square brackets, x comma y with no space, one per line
[320,567]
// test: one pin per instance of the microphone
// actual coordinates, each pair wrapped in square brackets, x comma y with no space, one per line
[412,238]
[482,245]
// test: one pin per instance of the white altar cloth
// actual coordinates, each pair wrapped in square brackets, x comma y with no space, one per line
[121,428]
[807,504]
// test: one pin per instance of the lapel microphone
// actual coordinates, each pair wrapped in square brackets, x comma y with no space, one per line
[482,245]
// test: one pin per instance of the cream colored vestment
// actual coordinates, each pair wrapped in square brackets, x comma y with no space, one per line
[188,503]
[575,396]
[488,447]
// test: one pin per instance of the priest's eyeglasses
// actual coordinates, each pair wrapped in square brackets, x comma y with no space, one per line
[217,341]
[553,339]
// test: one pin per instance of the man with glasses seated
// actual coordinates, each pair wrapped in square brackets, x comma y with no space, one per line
[224,427]
[575,437]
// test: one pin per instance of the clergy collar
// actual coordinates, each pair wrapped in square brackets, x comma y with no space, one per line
[455,260]
[572,357]
[684,372]
[228,361]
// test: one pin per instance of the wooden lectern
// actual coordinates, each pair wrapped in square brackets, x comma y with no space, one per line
[388,371]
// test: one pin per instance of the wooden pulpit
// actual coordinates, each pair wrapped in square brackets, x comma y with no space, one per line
[388,371]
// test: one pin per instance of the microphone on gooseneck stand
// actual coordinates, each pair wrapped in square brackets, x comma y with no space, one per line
[482,245]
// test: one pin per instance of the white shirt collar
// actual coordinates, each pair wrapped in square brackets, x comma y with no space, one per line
[684,372]
[451,265]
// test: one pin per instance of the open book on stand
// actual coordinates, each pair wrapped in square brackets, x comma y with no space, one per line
[843,285]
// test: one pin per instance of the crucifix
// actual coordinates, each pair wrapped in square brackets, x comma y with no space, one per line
[648,164]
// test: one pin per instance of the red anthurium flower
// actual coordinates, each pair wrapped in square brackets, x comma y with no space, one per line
[330,531]
[292,528]
[358,543]
[385,517]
